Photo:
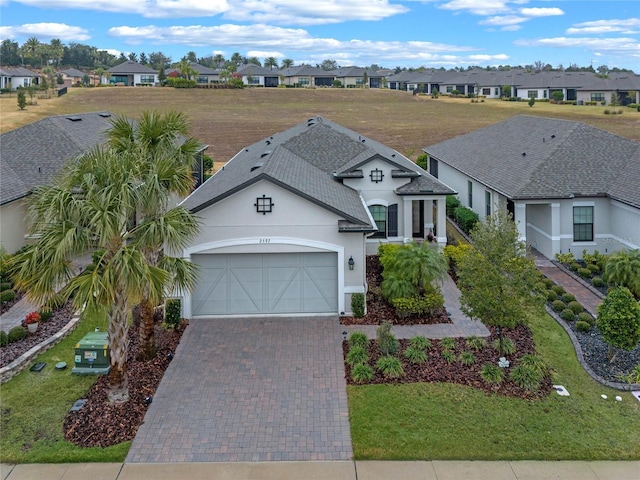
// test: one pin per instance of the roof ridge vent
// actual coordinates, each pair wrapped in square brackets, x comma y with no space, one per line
[74,118]
[267,152]
[257,166]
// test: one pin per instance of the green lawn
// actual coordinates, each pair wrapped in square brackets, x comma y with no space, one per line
[34,405]
[444,421]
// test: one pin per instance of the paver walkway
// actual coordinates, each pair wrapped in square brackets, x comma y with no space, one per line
[260,389]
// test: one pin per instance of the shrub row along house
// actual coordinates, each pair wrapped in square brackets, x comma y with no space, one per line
[570,186]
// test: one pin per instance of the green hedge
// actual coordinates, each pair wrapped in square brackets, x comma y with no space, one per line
[465,218]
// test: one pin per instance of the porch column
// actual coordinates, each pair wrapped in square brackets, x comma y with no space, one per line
[428,215]
[441,233]
[555,229]
[520,217]
[407,214]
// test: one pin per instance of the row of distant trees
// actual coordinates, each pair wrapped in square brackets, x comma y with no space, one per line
[35,54]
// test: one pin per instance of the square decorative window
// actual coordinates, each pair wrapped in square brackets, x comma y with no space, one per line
[264,205]
[583,224]
[376,175]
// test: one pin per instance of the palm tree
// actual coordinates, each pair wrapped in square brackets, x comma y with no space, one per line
[271,63]
[286,63]
[167,159]
[57,50]
[623,269]
[219,60]
[31,47]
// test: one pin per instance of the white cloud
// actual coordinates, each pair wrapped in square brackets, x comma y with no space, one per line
[503,20]
[629,26]
[145,8]
[478,7]
[46,31]
[541,12]
[264,54]
[613,45]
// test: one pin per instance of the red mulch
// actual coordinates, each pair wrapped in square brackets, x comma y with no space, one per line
[100,423]
[379,310]
[437,369]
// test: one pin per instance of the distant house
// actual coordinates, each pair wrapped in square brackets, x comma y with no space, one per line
[355,77]
[71,76]
[257,76]
[288,223]
[13,78]
[570,186]
[306,76]
[203,75]
[131,74]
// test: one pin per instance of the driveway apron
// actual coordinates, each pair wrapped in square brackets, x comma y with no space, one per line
[260,389]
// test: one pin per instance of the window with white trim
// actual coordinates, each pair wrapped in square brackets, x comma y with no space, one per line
[583,224]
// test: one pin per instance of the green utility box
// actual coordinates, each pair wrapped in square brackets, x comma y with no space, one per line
[92,354]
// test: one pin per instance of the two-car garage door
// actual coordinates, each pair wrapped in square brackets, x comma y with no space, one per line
[273,283]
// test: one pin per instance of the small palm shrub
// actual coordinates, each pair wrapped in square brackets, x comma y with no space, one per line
[558,305]
[584,273]
[4,338]
[527,377]
[390,367]
[576,307]
[583,326]
[568,297]
[415,355]
[467,358]
[358,339]
[597,282]
[357,305]
[361,373]
[16,334]
[586,317]
[568,315]
[508,346]
[534,361]
[387,342]
[356,355]
[448,343]
[7,296]
[449,356]
[492,374]
[420,342]
[559,289]
[476,343]
[551,296]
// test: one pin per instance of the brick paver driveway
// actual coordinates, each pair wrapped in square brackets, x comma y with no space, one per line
[250,390]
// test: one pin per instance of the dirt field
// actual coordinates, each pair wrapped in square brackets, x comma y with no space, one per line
[228,120]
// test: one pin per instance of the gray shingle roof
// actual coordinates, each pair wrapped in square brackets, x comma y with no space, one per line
[17,72]
[131,67]
[308,160]
[529,157]
[33,154]
[72,72]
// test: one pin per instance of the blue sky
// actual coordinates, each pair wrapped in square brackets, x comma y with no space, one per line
[390,33]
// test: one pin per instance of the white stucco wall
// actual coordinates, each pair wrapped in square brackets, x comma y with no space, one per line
[12,226]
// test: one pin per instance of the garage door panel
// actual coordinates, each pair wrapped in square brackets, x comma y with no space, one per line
[266,283]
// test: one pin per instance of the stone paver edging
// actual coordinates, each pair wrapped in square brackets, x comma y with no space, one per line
[576,345]
[9,371]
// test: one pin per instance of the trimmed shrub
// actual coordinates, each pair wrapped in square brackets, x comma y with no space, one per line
[357,355]
[575,266]
[568,297]
[467,358]
[593,268]
[597,282]
[491,373]
[357,304]
[387,342]
[448,343]
[5,286]
[420,342]
[358,339]
[7,296]
[558,289]
[466,218]
[527,377]
[16,334]
[417,306]
[4,338]
[565,258]
[508,346]
[172,313]
[586,317]
[548,283]
[551,296]
[45,315]
[361,373]
[415,355]
[576,307]
[476,343]
[584,273]
[558,305]
[390,367]
[568,315]
[583,326]
[452,204]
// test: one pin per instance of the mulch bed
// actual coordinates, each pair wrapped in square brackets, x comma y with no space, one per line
[437,369]
[100,423]
[379,310]
[6,306]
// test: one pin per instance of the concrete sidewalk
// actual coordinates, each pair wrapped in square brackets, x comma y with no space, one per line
[340,470]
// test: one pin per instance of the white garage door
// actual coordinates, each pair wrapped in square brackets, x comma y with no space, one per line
[274,283]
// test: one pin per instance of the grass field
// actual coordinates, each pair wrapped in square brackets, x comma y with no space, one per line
[228,120]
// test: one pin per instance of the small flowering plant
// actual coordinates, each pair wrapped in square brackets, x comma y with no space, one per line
[33,317]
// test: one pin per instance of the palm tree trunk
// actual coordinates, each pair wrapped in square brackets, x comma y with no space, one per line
[147,331]
[118,346]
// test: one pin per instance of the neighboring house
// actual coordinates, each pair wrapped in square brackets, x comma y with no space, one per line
[306,76]
[131,74]
[570,186]
[32,155]
[354,77]
[203,75]
[71,76]
[288,222]
[257,76]
[13,78]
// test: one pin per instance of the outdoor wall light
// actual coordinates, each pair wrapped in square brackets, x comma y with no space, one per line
[351,263]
